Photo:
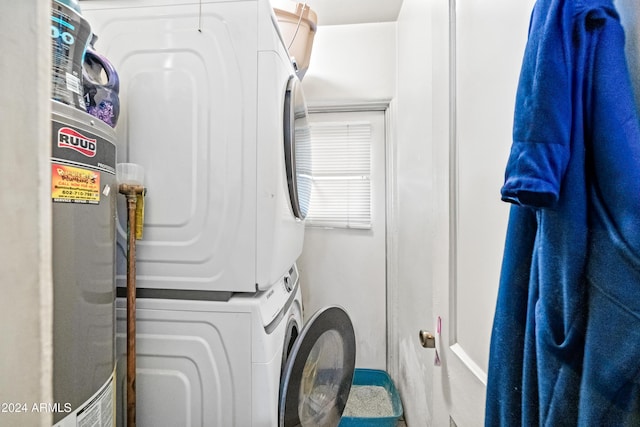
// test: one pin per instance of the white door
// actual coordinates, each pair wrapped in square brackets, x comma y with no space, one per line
[487,42]
[346,266]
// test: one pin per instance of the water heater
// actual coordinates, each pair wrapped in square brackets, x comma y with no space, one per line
[83,196]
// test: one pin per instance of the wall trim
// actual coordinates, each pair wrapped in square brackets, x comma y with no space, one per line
[393,341]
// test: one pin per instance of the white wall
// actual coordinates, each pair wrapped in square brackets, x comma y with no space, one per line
[347,267]
[342,63]
[370,62]
[25,209]
[351,64]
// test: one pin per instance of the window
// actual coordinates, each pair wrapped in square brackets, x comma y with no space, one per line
[341,177]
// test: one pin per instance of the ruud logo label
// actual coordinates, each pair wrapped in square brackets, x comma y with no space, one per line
[70,138]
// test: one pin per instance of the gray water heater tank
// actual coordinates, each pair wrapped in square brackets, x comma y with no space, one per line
[83,195]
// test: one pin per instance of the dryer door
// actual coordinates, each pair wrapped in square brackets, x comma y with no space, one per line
[318,375]
[297,148]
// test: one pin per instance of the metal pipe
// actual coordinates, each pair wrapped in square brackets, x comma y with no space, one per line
[132,192]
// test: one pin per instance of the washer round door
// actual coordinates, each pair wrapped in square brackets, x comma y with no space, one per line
[318,375]
[297,148]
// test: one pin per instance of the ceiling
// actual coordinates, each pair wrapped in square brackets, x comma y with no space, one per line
[338,12]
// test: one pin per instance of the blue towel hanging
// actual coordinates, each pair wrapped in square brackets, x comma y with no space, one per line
[565,347]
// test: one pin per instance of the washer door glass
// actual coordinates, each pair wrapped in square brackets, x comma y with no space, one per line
[297,148]
[318,375]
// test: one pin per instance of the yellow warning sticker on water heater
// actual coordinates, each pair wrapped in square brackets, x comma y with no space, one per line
[74,185]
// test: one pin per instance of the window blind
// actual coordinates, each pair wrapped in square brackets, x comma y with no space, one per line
[341,175]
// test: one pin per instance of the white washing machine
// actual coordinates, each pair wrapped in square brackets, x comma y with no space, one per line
[212,109]
[204,363]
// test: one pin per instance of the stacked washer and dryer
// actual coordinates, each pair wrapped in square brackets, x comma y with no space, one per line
[212,108]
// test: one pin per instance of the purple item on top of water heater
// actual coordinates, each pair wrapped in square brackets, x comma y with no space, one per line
[101,98]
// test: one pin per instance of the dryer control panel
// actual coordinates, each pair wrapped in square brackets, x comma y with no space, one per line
[275,301]
[291,279]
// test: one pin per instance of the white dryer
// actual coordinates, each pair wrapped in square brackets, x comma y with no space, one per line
[243,362]
[212,109]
